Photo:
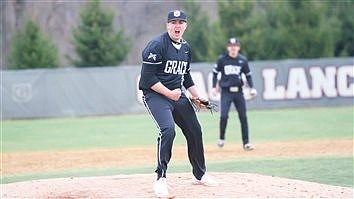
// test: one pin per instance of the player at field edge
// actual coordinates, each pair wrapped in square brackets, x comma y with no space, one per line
[231,65]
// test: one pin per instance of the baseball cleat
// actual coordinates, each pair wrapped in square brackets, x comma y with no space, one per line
[248,147]
[221,143]
[161,188]
[206,181]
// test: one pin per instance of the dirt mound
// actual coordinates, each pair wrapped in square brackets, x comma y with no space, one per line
[140,186]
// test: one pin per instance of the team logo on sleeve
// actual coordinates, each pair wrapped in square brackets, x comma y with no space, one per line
[153,56]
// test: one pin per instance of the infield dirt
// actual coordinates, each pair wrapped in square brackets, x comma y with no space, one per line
[231,184]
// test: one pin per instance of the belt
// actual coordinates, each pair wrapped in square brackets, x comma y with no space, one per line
[232,89]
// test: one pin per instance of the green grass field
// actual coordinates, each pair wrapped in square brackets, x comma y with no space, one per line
[139,130]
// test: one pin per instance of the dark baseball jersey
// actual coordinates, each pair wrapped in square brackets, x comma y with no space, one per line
[164,62]
[231,70]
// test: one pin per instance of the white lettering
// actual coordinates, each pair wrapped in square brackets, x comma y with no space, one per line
[319,82]
[175,67]
[329,82]
[232,70]
[346,87]
[297,84]
[168,67]
[323,83]
[271,91]
[178,68]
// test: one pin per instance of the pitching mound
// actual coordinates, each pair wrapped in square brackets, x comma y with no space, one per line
[140,186]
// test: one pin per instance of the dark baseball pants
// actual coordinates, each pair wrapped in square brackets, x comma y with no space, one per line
[237,98]
[166,113]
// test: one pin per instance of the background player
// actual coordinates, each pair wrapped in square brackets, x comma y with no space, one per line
[231,66]
[165,70]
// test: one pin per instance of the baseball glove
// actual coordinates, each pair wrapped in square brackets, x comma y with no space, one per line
[198,104]
[249,93]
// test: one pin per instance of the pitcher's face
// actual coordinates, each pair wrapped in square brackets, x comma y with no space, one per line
[175,29]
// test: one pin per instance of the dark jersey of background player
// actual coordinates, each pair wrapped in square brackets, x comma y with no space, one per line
[231,66]
[231,70]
